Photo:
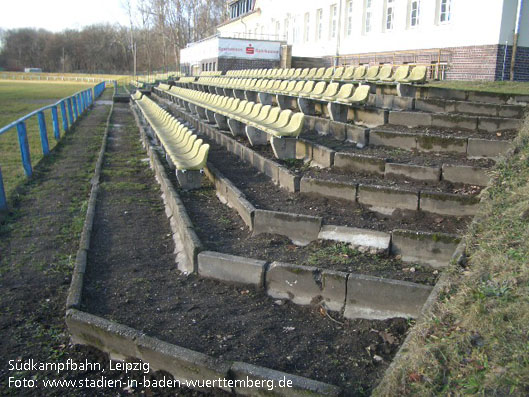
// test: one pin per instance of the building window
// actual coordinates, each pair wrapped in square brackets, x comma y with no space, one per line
[319,24]
[415,10]
[390,14]
[307,25]
[445,11]
[278,29]
[240,7]
[349,27]
[286,29]
[333,25]
[368,15]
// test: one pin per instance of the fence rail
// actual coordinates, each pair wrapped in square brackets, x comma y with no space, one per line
[70,107]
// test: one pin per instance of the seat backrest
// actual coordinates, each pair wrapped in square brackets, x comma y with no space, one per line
[283,85]
[290,86]
[319,88]
[348,73]
[255,111]
[346,91]
[304,73]
[359,73]
[283,118]
[331,89]
[298,87]
[361,93]
[319,73]
[338,73]
[401,73]
[385,72]
[308,87]
[290,73]
[297,73]
[372,72]
[263,113]
[272,116]
[418,74]
[328,73]
[312,73]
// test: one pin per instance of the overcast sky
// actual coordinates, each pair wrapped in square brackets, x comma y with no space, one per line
[57,15]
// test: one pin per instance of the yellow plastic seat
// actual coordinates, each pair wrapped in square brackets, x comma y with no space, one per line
[360,96]
[319,74]
[359,73]
[417,75]
[372,73]
[319,89]
[345,92]
[327,76]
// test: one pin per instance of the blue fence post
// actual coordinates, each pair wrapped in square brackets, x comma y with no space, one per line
[43,134]
[55,118]
[70,111]
[3,199]
[82,98]
[74,100]
[24,148]
[64,116]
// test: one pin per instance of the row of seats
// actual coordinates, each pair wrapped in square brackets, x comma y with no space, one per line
[186,79]
[211,73]
[137,84]
[185,151]
[376,73]
[319,90]
[269,119]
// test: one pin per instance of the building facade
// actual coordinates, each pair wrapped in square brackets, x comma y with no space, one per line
[468,39]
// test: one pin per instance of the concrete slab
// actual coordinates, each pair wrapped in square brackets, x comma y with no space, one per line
[288,180]
[410,119]
[360,163]
[379,299]
[357,134]
[375,242]
[231,268]
[449,204]
[301,229]
[322,156]
[340,190]
[433,249]
[465,174]
[441,143]
[385,200]
[456,121]
[495,124]
[485,148]
[399,140]
[411,171]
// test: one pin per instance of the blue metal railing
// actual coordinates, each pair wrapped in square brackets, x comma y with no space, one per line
[70,107]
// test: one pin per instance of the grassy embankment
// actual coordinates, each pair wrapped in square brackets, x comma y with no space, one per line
[16,100]
[475,340]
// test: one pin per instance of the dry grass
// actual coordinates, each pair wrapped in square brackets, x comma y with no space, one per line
[476,340]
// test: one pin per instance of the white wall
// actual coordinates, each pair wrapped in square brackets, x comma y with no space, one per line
[196,52]
[473,22]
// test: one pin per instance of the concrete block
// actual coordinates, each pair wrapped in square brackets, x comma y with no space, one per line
[255,136]
[321,187]
[440,143]
[434,105]
[433,249]
[403,103]
[237,201]
[465,174]
[487,97]
[338,130]
[375,242]
[495,124]
[513,111]
[115,339]
[399,140]
[308,123]
[299,386]
[183,364]
[456,121]
[368,117]
[247,154]
[410,119]
[269,168]
[386,199]
[305,285]
[231,268]
[415,172]
[283,148]
[360,163]
[357,134]
[377,298]
[301,229]
[477,109]
[288,180]
[449,204]
[442,93]
[338,112]
[322,156]
[485,148]
[322,126]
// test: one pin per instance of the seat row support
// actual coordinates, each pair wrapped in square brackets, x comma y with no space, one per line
[189,180]
[236,127]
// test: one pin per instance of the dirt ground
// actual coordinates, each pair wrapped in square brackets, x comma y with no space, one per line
[263,193]
[231,322]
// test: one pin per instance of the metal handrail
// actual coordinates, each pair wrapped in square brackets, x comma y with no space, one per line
[71,108]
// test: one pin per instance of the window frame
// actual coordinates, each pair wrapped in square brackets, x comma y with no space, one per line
[319,24]
[333,21]
[389,15]
[417,15]
[306,33]
[349,18]
[368,15]
[447,12]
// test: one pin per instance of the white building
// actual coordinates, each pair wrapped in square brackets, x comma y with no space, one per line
[469,36]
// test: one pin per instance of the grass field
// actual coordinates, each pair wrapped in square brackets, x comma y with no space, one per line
[16,100]
[503,87]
